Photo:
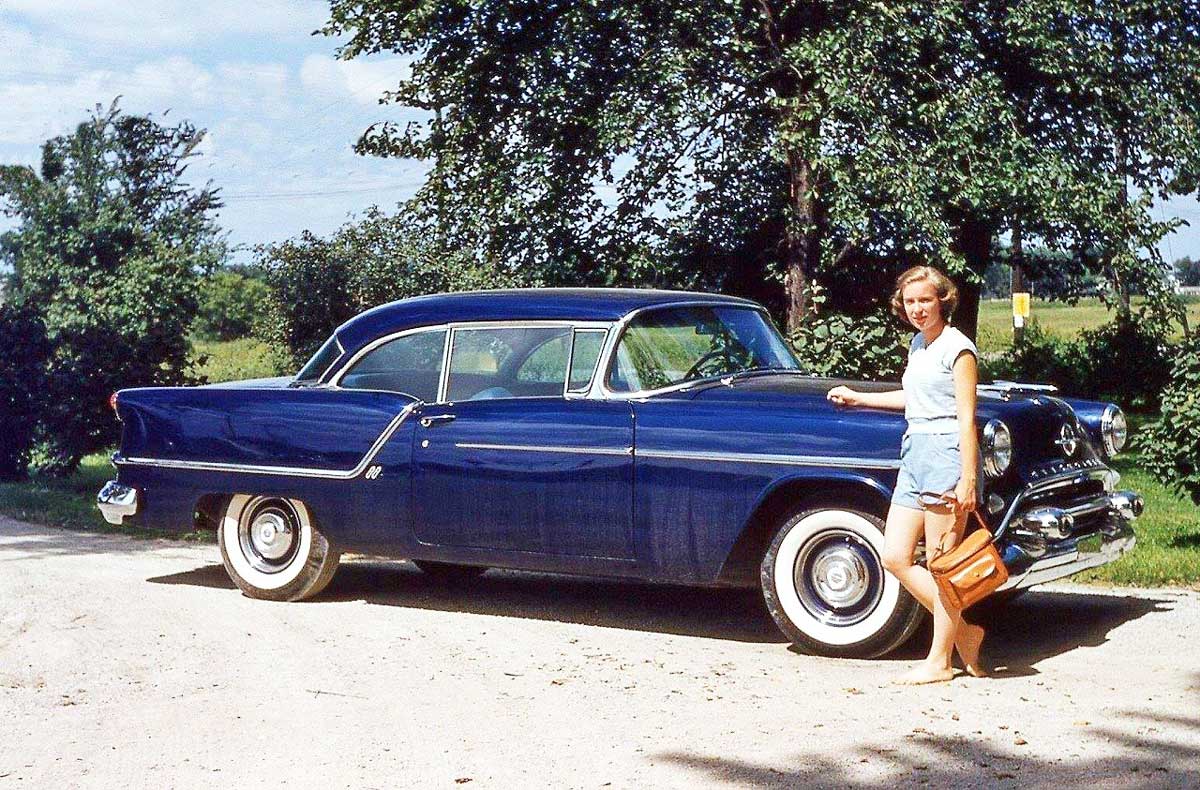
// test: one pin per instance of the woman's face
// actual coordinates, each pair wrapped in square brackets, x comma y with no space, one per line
[921,304]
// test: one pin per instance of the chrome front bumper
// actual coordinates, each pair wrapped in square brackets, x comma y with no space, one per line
[1047,542]
[117,501]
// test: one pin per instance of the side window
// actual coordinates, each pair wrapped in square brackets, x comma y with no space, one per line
[411,364]
[547,363]
[585,353]
[507,362]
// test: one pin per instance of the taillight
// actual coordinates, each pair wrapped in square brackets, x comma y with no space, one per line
[112,401]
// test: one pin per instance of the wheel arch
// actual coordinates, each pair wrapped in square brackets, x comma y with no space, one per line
[788,495]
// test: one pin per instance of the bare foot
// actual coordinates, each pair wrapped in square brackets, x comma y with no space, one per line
[970,638]
[924,673]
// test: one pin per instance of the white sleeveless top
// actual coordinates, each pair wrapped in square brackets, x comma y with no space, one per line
[928,381]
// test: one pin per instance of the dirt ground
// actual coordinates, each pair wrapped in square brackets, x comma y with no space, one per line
[132,663]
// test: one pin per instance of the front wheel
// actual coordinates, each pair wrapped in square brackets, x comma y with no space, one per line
[824,584]
[273,550]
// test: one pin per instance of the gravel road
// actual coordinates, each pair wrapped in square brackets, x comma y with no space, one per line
[134,663]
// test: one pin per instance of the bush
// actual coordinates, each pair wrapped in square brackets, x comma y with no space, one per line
[107,249]
[1171,448]
[230,301]
[23,353]
[316,284]
[865,347]
[1126,361]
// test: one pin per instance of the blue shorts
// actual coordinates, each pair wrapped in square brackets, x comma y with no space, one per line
[930,463]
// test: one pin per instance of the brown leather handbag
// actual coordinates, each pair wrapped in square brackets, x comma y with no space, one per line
[971,571]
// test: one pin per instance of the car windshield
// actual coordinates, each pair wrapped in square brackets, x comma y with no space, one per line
[675,345]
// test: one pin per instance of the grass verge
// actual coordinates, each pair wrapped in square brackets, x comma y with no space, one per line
[71,502]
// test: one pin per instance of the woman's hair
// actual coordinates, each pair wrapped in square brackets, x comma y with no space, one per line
[947,292]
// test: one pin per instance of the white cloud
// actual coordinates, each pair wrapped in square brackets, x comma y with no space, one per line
[362,80]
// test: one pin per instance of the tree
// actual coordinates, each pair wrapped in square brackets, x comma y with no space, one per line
[315,284]
[1187,272]
[108,252]
[231,300]
[723,144]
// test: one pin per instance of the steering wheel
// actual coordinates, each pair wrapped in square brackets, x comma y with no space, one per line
[694,370]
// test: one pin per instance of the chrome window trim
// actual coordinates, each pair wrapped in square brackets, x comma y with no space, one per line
[844,462]
[583,391]
[600,383]
[449,327]
[337,341]
[288,471]
[530,448]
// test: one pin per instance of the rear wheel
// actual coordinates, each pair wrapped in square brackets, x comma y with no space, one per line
[273,550]
[824,584]
[450,573]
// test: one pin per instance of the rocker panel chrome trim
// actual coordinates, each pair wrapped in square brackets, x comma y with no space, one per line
[769,458]
[288,471]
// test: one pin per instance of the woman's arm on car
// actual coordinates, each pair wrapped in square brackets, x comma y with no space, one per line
[844,396]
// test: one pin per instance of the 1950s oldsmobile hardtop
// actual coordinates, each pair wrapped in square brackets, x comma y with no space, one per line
[654,435]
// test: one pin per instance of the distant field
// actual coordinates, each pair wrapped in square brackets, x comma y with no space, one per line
[1059,318]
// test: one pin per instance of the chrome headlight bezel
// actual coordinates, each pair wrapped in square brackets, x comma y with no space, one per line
[997,448]
[1114,430]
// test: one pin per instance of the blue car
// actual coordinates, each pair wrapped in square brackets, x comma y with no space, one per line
[653,435]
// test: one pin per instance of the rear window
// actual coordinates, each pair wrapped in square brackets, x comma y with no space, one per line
[326,355]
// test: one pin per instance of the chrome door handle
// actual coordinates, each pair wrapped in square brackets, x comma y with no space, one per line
[436,419]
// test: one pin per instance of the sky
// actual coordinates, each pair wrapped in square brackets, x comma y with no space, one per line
[282,113]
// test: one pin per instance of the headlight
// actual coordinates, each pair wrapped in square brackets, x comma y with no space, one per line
[1113,430]
[997,448]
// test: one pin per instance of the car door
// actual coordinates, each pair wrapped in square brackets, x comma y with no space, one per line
[512,460]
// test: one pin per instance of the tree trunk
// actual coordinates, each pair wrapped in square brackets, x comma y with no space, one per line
[973,240]
[801,247]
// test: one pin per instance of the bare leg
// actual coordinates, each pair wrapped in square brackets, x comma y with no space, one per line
[904,528]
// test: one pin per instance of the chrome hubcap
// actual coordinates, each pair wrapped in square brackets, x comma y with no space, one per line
[838,577]
[269,534]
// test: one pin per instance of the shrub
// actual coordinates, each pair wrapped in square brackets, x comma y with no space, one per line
[1126,361]
[23,353]
[230,301]
[1171,448]
[864,347]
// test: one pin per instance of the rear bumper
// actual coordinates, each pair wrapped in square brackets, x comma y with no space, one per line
[117,501]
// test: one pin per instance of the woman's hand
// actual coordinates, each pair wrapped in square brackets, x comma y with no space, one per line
[965,494]
[844,396]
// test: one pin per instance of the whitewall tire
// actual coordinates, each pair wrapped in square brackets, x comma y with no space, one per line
[273,550]
[824,584]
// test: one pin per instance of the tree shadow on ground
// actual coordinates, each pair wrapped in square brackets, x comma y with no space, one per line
[1165,752]
[1036,626]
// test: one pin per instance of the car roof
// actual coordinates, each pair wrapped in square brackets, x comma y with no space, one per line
[518,304]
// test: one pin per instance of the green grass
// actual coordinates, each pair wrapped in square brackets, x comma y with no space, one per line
[232,360]
[1168,536]
[1057,318]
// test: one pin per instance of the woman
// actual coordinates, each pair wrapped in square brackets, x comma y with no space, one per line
[939,460]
